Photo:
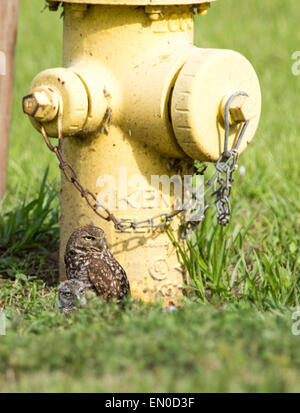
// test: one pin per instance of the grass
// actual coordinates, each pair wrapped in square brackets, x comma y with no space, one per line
[29,236]
[223,264]
[196,348]
[233,332]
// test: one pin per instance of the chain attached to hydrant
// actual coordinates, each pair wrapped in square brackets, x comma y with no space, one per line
[220,184]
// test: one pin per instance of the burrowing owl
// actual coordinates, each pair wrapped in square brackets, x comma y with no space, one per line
[71,294]
[89,260]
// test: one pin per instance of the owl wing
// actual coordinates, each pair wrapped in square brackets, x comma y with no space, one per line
[108,278]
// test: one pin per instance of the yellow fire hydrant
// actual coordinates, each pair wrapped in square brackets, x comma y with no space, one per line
[137,103]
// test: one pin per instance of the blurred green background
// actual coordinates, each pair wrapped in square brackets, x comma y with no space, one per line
[39,47]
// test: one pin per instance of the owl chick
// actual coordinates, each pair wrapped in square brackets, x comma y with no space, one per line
[88,259]
[71,294]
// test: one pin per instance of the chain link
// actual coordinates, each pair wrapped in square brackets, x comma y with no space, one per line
[217,188]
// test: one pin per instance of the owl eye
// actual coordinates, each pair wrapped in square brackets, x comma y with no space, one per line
[89,238]
[67,294]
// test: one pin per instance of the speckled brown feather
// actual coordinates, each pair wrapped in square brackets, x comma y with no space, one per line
[93,264]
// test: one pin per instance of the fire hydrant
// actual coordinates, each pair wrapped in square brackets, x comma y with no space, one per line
[138,101]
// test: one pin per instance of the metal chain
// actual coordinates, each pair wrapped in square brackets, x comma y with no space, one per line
[219,185]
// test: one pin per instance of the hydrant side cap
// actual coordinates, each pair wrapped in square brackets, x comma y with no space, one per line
[68,86]
[197,97]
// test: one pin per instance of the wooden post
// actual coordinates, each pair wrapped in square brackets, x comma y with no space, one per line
[8,32]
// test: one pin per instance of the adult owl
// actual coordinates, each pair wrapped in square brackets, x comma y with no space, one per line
[88,259]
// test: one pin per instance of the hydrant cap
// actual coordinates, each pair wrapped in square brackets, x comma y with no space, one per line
[198,102]
[70,91]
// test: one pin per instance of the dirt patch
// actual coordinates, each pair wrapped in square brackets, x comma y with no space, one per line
[40,262]
[47,269]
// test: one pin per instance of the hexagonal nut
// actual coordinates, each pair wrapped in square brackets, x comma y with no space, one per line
[242,109]
[41,105]
[154,13]
[202,9]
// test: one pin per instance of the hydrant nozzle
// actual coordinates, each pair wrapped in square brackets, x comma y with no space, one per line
[83,106]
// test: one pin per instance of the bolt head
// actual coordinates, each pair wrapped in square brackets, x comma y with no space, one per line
[242,109]
[154,16]
[154,13]
[202,9]
[41,105]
